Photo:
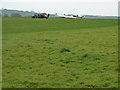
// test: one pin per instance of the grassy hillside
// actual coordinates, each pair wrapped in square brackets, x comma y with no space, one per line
[22,25]
[60,53]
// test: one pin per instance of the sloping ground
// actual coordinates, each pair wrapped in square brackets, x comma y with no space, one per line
[72,53]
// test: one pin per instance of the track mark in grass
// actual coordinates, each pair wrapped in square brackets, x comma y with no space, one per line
[85,55]
[6,50]
[69,80]
[77,77]
[8,72]
[80,62]
[117,69]
[61,60]
[49,59]
[30,67]
[30,84]
[81,83]
[52,63]
[89,86]
[96,57]
[85,68]
[82,49]
[89,42]
[48,41]
[114,52]
[106,85]
[21,68]
[73,53]
[74,74]
[62,65]
[67,62]
[64,50]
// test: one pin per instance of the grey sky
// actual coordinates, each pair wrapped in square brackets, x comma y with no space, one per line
[80,7]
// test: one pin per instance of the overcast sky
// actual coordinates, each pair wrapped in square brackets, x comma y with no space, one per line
[80,7]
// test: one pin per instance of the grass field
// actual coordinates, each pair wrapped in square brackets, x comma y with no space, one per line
[60,53]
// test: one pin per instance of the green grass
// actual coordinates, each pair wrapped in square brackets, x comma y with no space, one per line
[60,53]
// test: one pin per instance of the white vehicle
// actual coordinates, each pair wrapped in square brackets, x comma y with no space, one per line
[65,16]
[69,16]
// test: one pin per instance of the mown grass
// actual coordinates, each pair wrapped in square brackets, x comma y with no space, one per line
[60,53]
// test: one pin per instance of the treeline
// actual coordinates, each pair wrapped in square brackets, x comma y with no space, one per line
[16,13]
[12,15]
